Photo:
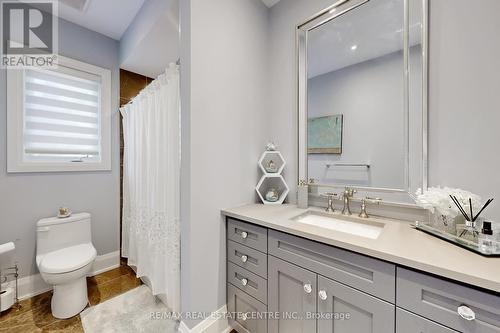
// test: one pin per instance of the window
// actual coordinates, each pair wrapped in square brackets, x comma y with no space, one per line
[59,119]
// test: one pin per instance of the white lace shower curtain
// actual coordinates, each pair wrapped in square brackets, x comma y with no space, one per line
[151,189]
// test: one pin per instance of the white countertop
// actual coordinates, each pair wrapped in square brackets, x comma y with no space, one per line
[399,243]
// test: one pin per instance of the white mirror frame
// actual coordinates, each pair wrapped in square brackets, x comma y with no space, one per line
[341,7]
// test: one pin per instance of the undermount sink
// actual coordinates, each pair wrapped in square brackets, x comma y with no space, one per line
[346,224]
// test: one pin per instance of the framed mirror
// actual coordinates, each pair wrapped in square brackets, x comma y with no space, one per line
[362,98]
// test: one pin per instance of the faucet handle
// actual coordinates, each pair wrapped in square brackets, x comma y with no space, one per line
[373,200]
[363,213]
[330,196]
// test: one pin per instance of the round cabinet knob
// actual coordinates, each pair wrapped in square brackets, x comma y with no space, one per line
[322,295]
[244,317]
[244,234]
[244,258]
[244,281]
[466,313]
[307,288]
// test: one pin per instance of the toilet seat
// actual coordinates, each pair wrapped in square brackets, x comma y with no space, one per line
[67,259]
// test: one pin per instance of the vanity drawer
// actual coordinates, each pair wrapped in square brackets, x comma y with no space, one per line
[247,281]
[247,234]
[407,322]
[439,300]
[244,312]
[370,275]
[246,257]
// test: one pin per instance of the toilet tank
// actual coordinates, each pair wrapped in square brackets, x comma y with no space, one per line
[55,233]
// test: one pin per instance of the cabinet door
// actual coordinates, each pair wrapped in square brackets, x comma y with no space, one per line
[291,298]
[342,309]
[247,314]
[372,276]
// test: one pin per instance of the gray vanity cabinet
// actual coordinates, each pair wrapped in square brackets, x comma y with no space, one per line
[245,309]
[372,276]
[306,302]
[247,277]
[459,307]
[292,297]
[309,287]
[407,322]
[342,309]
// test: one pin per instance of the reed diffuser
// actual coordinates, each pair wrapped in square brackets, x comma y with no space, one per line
[470,228]
[445,216]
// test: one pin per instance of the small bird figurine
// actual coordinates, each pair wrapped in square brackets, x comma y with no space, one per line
[271,146]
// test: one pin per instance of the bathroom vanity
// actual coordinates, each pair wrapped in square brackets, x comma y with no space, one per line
[362,87]
[284,275]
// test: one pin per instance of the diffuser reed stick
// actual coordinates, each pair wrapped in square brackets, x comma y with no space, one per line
[470,206]
[472,217]
[459,206]
[485,205]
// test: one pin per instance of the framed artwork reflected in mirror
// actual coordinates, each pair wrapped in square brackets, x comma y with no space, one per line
[324,135]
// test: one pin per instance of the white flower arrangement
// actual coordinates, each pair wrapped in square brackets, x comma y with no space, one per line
[437,200]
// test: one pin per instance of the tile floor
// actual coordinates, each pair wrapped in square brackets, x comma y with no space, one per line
[33,315]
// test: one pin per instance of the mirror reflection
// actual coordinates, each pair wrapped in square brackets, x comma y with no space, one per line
[364,118]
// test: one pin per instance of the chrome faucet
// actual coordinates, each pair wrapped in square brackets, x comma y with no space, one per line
[348,194]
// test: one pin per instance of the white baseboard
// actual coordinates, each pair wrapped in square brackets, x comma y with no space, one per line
[30,286]
[228,329]
[33,285]
[106,262]
[215,324]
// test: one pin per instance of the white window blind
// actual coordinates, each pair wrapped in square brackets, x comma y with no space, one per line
[59,119]
[61,116]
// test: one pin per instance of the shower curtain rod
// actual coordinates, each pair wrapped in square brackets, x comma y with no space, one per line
[178,62]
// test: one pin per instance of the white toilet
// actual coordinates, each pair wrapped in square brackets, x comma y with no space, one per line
[64,256]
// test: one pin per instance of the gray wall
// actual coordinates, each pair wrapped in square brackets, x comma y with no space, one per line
[463,102]
[464,97]
[224,75]
[27,197]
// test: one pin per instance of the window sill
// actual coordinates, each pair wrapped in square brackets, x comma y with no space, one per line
[58,167]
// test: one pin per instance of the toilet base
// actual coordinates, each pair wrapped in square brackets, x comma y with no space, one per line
[69,299]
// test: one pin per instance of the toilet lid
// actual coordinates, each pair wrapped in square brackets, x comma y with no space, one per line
[68,259]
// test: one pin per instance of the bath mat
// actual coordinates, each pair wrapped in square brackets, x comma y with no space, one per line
[134,311]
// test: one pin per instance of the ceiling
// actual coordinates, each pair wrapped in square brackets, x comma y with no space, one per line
[367,32]
[270,3]
[370,31]
[153,40]
[148,30]
[103,16]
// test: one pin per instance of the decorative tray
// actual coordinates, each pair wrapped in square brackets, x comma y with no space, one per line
[489,250]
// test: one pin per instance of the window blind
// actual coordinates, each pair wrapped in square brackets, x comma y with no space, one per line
[61,116]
